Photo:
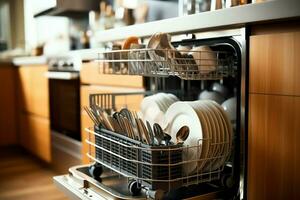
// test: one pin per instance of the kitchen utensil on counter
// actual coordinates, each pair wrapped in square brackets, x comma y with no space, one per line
[216,5]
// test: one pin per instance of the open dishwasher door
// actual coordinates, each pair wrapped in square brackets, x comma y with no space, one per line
[79,184]
[120,163]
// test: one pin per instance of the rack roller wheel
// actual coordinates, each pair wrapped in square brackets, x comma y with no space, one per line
[96,170]
[134,187]
[227,181]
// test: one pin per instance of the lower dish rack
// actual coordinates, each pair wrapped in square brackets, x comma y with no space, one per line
[152,167]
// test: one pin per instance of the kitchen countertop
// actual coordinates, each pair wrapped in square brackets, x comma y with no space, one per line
[30,60]
[228,17]
[224,18]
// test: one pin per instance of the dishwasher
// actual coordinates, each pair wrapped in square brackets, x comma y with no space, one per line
[132,166]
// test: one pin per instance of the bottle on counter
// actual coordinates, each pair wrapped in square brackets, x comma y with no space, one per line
[85,39]
[109,17]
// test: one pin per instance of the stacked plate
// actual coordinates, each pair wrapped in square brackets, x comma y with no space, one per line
[153,108]
[210,132]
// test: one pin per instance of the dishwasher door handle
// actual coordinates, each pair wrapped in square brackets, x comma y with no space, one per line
[62,75]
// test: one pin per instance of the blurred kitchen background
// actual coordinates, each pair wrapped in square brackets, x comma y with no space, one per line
[34,27]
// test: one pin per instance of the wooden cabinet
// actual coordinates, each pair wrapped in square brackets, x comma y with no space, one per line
[91,74]
[274,116]
[275,63]
[33,93]
[274,148]
[35,135]
[8,117]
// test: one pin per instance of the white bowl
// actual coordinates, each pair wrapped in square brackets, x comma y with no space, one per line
[218,87]
[211,95]
[230,108]
[205,59]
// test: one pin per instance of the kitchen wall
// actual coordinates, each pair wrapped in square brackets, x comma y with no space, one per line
[44,29]
[5,39]
[12,23]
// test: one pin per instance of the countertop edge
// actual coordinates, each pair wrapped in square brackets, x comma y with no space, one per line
[30,60]
[239,15]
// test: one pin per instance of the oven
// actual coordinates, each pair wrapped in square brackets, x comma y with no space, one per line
[64,94]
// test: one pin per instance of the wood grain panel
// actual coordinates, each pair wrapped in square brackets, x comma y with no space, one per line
[132,102]
[273,151]
[90,74]
[34,90]
[275,64]
[8,116]
[35,135]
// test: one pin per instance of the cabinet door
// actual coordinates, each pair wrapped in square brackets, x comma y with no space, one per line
[8,122]
[133,103]
[275,63]
[35,135]
[273,147]
[34,90]
[91,73]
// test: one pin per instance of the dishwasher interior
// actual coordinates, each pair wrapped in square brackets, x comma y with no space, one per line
[169,166]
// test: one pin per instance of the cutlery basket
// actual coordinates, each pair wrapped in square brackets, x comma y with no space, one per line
[156,167]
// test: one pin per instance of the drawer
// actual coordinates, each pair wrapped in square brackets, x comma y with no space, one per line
[90,74]
[273,147]
[34,90]
[34,134]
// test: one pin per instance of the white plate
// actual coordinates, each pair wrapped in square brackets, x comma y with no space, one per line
[228,131]
[154,107]
[221,133]
[207,149]
[215,135]
[182,114]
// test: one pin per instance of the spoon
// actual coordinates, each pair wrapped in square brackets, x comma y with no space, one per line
[150,131]
[182,134]
[92,117]
[167,138]
[158,133]
[145,132]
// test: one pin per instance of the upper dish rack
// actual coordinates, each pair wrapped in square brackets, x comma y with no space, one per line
[186,64]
